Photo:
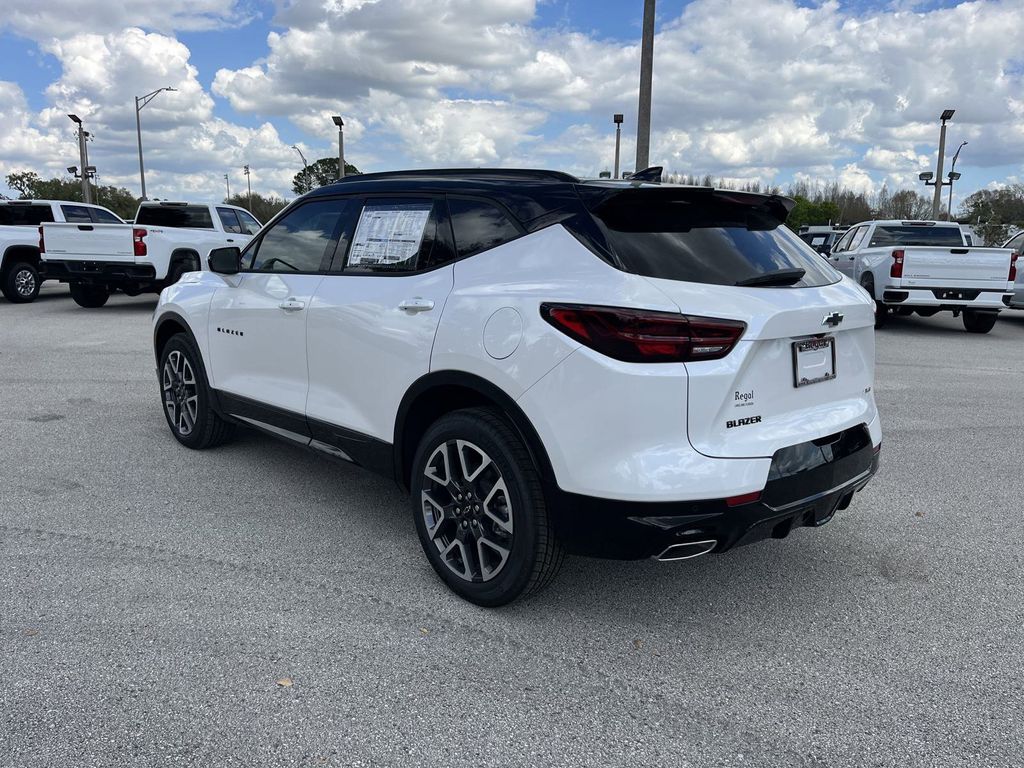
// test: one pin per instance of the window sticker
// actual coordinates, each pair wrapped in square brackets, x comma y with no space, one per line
[388,234]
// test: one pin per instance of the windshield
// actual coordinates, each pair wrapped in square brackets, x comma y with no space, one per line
[911,234]
[701,242]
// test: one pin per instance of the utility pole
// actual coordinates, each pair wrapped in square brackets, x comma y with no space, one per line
[227,185]
[248,182]
[86,197]
[618,138]
[341,145]
[643,120]
[937,198]
[954,176]
[140,102]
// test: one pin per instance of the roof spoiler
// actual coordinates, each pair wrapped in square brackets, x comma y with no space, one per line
[597,198]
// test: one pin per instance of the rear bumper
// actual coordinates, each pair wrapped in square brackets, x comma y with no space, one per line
[807,484]
[945,298]
[98,272]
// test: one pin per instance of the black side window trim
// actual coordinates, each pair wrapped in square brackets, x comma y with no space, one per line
[252,248]
[494,204]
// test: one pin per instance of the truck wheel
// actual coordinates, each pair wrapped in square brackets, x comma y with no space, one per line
[479,509]
[979,322]
[186,397]
[21,283]
[868,284]
[89,296]
[927,311]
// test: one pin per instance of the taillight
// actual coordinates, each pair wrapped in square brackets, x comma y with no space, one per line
[42,243]
[896,270]
[139,242]
[1013,265]
[745,498]
[645,336]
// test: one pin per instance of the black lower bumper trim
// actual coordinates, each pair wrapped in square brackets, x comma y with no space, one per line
[98,272]
[807,485]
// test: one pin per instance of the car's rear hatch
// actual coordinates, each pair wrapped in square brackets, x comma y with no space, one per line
[803,368]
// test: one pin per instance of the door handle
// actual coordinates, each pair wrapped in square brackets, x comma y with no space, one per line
[417,304]
[230,240]
[292,305]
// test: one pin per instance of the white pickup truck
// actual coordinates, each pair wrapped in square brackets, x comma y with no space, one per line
[165,241]
[927,267]
[19,240]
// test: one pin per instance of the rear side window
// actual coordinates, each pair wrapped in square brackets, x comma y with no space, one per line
[395,236]
[176,216]
[706,242]
[76,213]
[103,216]
[25,215]
[301,240]
[229,220]
[479,225]
[909,234]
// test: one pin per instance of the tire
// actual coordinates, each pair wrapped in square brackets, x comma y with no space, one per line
[21,283]
[979,322]
[179,268]
[89,296]
[186,397]
[881,311]
[475,452]
[927,311]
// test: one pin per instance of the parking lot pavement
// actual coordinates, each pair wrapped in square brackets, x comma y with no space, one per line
[256,605]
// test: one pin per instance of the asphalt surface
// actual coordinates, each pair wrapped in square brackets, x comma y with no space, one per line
[256,605]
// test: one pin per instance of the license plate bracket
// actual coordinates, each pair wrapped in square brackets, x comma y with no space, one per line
[814,360]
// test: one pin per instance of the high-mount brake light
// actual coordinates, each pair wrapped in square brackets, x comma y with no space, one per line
[42,243]
[1013,266]
[896,270]
[645,336]
[139,242]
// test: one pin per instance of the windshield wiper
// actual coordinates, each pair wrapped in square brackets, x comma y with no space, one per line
[778,277]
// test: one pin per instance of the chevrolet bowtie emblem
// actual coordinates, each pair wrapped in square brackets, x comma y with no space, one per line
[833,319]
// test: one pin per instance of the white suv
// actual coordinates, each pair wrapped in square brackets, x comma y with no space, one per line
[619,369]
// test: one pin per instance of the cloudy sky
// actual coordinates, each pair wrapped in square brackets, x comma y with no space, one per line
[743,89]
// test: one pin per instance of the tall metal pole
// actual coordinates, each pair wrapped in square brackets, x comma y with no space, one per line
[341,151]
[617,118]
[85,162]
[952,172]
[937,198]
[227,184]
[248,182]
[87,174]
[643,122]
[138,132]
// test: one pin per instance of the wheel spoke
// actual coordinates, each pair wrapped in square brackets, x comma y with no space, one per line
[440,454]
[188,378]
[472,469]
[497,506]
[487,550]
[433,516]
[458,549]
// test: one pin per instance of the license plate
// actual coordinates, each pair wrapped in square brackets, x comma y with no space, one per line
[814,361]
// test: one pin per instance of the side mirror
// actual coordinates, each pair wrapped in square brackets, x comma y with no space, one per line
[225,261]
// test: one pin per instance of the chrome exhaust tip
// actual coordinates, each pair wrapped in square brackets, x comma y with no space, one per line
[686,550]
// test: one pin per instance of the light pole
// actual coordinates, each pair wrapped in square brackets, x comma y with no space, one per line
[140,102]
[86,197]
[643,118]
[947,114]
[341,144]
[618,137]
[953,176]
[227,185]
[305,165]
[248,183]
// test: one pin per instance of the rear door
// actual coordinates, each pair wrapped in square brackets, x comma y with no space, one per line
[257,324]
[373,319]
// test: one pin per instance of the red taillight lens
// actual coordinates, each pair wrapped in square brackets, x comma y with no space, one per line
[42,243]
[896,270]
[139,242]
[746,498]
[1013,265]
[645,336]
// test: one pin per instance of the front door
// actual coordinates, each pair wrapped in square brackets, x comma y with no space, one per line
[257,326]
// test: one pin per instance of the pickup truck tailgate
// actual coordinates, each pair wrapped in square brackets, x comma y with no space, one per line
[927,267]
[87,242]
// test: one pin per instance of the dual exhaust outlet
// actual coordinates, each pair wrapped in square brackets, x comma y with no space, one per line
[686,550]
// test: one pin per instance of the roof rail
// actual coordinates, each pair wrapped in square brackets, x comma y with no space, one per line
[526,174]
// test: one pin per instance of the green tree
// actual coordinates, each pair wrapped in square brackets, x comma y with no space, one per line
[812,212]
[263,208]
[994,212]
[323,171]
[30,186]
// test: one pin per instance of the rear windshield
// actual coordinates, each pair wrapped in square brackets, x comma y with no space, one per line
[178,216]
[701,242]
[25,215]
[910,234]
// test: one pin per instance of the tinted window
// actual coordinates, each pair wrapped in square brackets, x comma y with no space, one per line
[76,213]
[858,238]
[229,220]
[909,234]
[1016,243]
[479,226]
[176,216]
[24,215]
[394,235]
[299,241]
[706,242]
[250,226]
[103,216]
[844,242]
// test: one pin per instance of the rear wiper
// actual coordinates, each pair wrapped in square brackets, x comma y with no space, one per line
[778,277]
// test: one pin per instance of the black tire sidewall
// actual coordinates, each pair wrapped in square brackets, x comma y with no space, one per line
[10,290]
[979,322]
[183,344]
[89,296]
[515,575]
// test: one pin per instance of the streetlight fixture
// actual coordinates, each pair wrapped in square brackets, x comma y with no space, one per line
[140,102]
[341,144]
[83,162]
[305,165]
[617,119]
[954,176]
